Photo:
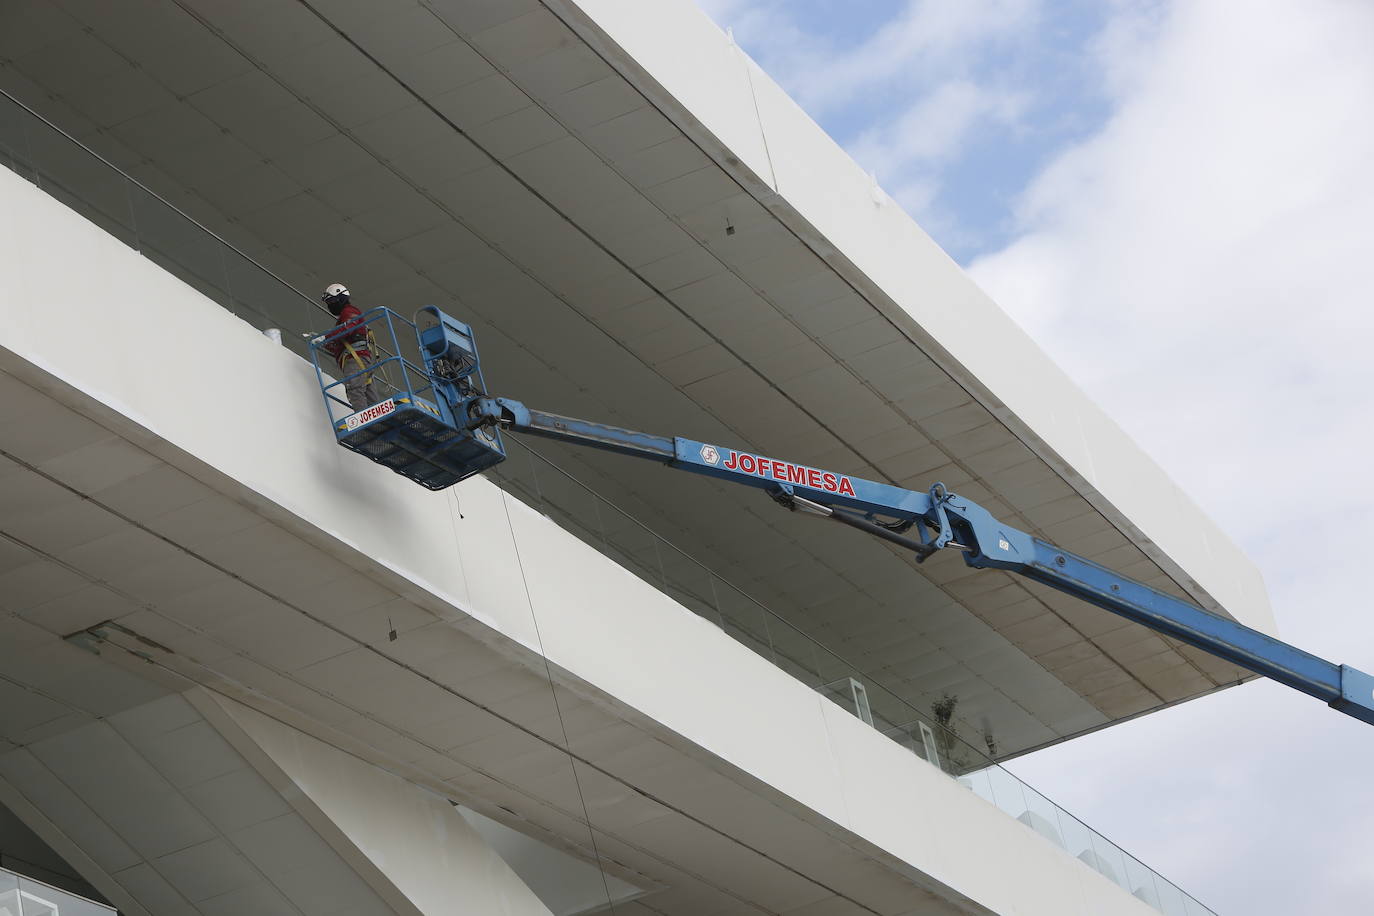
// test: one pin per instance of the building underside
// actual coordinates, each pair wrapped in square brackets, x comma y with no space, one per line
[643,230]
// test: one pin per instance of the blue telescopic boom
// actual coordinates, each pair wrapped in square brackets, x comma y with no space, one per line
[941,519]
[444,428]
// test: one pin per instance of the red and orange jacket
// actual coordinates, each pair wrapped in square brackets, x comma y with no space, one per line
[348,328]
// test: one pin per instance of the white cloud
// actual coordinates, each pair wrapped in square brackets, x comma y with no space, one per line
[932,130]
[922,38]
[1122,49]
[1220,224]
[909,150]
[915,195]
[1204,266]
[929,76]
[927,36]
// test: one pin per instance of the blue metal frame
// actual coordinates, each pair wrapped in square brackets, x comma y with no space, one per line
[939,519]
[416,429]
[389,343]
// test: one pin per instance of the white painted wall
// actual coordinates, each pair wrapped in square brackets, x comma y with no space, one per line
[257,420]
[740,110]
[568,886]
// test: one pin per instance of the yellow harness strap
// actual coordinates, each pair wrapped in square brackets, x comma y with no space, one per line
[354,353]
[367,379]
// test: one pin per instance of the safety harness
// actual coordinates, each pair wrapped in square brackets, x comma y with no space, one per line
[370,346]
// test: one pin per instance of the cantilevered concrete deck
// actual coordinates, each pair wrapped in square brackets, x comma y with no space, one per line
[207,536]
[645,230]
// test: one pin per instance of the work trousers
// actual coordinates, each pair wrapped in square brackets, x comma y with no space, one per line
[360,390]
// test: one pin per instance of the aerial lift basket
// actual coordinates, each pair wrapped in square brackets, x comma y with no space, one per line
[425,373]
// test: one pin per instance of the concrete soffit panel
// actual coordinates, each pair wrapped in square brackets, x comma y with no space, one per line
[58,840]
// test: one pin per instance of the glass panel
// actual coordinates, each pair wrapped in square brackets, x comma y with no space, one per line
[577,510]
[80,180]
[516,474]
[1042,816]
[632,545]
[180,246]
[849,694]
[34,898]
[861,705]
[796,653]
[1140,881]
[14,144]
[980,783]
[264,301]
[1170,898]
[1108,859]
[930,750]
[830,666]
[689,583]
[924,745]
[34,905]
[890,713]
[904,734]
[745,621]
[1006,792]
[1078,839]
[957,756]
[1197,909]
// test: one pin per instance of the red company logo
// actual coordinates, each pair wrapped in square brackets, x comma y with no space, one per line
[367,416]
[786,472]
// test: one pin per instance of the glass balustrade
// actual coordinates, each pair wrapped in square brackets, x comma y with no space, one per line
[21,896]
[118,203]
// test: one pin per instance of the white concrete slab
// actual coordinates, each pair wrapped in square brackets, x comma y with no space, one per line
[731,768]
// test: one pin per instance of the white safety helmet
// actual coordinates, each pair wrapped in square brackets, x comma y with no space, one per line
[335,296]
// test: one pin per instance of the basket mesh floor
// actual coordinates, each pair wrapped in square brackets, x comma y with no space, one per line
[419,446]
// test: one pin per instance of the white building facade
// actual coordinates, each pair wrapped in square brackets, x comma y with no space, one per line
[248,671]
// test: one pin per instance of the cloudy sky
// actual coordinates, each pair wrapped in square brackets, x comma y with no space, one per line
[1177,200]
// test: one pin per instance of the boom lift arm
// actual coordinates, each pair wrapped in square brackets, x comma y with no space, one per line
[942,519]
[938,519]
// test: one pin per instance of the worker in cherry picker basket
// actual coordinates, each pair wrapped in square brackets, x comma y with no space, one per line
[352,345]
